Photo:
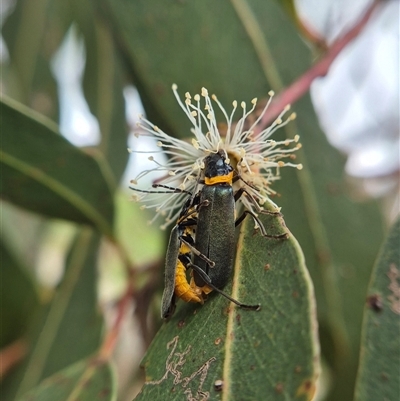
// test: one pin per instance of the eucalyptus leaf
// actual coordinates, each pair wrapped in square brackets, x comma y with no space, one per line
[218,351]
[103,86]
[44,173]
[340,239]
[87,380]
[378,375]
[19,297]
[32,33]
[69,328]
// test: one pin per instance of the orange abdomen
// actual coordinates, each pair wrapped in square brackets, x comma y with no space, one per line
[182,288]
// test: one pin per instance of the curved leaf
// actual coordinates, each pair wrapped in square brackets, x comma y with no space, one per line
[19,298]
[218,349]
[44,173]
[69,329]
[84,381]
[340,239]
[378,376]
[32,33]
[103,86]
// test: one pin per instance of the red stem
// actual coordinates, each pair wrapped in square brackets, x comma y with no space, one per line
[110,341]
[12,355]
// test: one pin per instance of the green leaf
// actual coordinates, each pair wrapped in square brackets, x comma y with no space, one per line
[44,173]
[149,245]
[289,7]
[70,328]
[240,50]
[271,354]
[32,33]
[104,92]
[378,375]
[340,238]
[84,381]
[353,232]
[19,298]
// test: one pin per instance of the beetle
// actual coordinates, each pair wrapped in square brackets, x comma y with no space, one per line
[209,216]
[178,257]
[180,241]
[215,232]
[178,260]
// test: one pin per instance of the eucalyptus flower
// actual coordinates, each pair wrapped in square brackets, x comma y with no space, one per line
[256,157]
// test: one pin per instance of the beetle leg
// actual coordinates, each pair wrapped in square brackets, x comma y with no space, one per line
[207,279]
[171,190]
[197,253]
[240,192]
[260,225]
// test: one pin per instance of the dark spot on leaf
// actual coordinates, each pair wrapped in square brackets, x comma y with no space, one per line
[298,369]
[279,388]
[159,89]
[104,393]
[252,367]
[238,318]
[267,267]
[323,257]
[384,377]
[181,323]
[374,302]
[218,384]
[295,271]
[307,385]
[333,188]
[307,388]
[295,294]
[218,341]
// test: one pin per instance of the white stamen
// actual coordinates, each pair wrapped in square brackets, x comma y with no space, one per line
[257,158]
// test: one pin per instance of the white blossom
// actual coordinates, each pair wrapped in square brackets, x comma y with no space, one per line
[256,157]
